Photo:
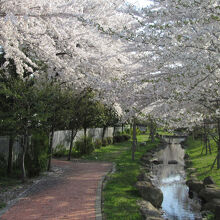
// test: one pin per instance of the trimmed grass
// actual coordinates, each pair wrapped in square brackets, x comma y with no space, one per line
[120,194]
[162,132]
[203,162]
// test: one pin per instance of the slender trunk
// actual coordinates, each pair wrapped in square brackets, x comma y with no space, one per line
[73,135]
[10,153]
[193,136]
[25,144]
[103,133]
[218,157]
[134,140]
[122,128]
[152,130]
[210,150]
[50,149]
[85,142]
[113,133]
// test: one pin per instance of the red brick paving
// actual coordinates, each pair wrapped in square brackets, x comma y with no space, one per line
[70,196]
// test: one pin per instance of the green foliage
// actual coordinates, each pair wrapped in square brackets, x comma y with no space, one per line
[120,195]
[3,165]
[60,151]
[104,142]
[121,138]
[36,156]
[203,162]
[84,145]
[98,143]
[127,131]
[138,131]
[109,140]
[210,216]
[2,205]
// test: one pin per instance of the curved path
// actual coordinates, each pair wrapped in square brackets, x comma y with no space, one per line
[72,193]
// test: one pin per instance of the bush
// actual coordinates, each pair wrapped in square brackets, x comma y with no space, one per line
[109,140]
[60,151]
[36,156]
[83,148]
[126,137]
[3,165]
[127,131]
[98,143]
[121,138]
[104,142]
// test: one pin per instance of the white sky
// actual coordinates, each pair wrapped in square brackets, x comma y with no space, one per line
[140,3]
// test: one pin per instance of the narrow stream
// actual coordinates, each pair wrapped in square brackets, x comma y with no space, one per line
[170,178]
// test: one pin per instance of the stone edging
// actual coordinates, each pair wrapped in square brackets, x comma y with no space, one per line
[99,200]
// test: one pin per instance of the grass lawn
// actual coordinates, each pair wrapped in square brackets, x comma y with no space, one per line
[120,195]
[162,132]
[203,162]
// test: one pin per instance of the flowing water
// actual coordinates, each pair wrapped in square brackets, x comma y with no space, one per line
[170,178]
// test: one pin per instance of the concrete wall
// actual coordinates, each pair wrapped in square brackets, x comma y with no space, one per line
[60,137]
[63,137]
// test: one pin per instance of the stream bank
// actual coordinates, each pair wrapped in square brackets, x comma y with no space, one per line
[164,174]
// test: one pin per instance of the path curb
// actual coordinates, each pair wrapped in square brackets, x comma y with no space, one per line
[99,200]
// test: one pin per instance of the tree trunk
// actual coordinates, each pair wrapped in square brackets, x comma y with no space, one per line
[10,153]
[25,144]
[152,130]
[218,157]
[50,149]
[103,133]
[122,127]
[71,142]
[85,142]
[114,131]
[134,140]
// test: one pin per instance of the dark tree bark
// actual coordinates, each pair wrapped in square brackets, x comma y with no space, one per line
[206,141]
[10,154]
[217,159]
[218,156]
[24,144]
[152,130]
[103,133]
[73,135]
[85,141]
[134,142]
[50,150]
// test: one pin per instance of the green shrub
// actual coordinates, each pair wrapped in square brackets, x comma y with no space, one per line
[104,142]
[126,137]
[2,205]
[36,156]
[138,131]
[121,138]
[84,145]
[109,140]
[127,131]
[3,165]
[98,143]
[60,151]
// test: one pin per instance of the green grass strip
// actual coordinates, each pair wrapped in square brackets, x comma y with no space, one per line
[203,162]
[120,194]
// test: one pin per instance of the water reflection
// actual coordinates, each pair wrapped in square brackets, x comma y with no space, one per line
[170,178]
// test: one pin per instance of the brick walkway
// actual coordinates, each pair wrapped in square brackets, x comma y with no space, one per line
[71,195]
